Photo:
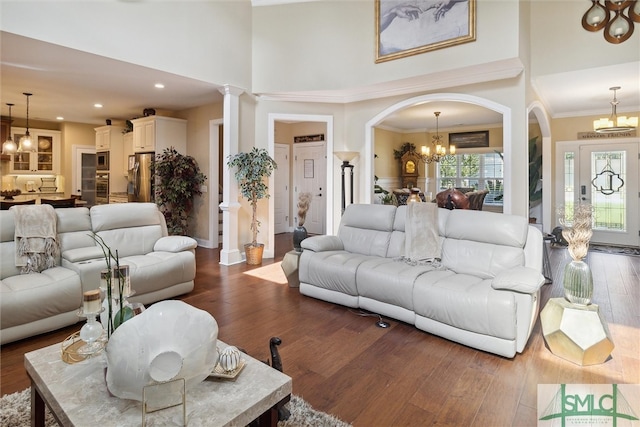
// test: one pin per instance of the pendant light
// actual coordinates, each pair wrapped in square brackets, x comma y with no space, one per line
[615,123]
[440,152]
[9,147]
[26,143]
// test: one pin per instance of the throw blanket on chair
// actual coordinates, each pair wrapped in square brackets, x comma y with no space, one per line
[35,236]
[422,242]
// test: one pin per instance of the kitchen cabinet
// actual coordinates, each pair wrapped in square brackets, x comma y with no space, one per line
[157,133]
[111,139]
[44,161]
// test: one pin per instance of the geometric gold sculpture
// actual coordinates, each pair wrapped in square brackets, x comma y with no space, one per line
[576,333]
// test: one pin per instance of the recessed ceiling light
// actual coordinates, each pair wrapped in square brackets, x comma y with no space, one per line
[159,85]
[59,118]
[97,105]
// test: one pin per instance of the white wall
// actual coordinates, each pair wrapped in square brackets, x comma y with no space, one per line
[205,40]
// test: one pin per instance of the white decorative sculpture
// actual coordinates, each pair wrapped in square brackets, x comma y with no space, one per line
[169,340]
[229,358]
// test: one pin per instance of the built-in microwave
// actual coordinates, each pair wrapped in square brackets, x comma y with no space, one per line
[102,160]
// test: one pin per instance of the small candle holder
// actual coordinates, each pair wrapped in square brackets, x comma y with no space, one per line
[92,331]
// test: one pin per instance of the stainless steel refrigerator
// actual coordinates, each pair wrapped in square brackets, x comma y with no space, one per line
[140,187]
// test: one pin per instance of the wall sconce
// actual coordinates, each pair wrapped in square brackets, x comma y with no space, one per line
[611,17]
[346,157]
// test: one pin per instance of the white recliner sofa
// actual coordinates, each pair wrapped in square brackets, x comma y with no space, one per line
[485,295]
[161,266]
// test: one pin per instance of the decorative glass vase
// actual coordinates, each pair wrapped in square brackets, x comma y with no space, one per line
[578,283]
[299,234]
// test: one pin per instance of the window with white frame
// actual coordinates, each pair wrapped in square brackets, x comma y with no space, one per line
[479,171]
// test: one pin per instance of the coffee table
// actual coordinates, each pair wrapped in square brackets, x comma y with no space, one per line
[77,395]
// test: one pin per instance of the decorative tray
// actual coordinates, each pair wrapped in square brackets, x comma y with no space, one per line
[218,372]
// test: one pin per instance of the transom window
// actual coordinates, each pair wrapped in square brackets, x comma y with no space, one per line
[478,171]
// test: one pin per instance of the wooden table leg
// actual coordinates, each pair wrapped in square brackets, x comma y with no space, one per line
[37,407]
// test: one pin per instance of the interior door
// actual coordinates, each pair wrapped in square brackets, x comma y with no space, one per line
[310,176]
[608,179]
[281,190]
[606,176]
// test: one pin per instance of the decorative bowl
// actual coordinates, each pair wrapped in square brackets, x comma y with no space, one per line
[9,194]
[167,341]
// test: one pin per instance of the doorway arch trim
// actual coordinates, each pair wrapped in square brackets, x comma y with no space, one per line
[367,183]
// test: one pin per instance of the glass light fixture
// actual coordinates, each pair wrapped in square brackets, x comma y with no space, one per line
[618,28]
[8,146]
[615,123]
[26,143]
[440,152]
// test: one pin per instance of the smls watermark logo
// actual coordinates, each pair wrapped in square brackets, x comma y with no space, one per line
[592,405]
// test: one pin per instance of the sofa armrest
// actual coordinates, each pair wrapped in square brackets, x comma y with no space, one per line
[83,254]
[175,244]
[322,243]
[519,279]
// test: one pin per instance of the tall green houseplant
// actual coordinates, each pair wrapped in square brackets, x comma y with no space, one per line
[178,181]
[535,173]
[250,170]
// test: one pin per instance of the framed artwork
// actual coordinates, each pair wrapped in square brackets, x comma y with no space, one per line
[469,139]
[410,27]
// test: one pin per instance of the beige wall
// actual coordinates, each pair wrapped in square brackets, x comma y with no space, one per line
[199,147]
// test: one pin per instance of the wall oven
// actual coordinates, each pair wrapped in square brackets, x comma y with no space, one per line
[102,160]
[102,188]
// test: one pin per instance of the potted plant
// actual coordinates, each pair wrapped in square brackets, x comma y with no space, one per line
[251,169]
[178,181]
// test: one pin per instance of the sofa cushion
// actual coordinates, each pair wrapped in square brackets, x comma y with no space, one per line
[160,267]
[74,229]
[465,302]
[389,281]
[30,297]
[472,246]
[333,270]
[366,229]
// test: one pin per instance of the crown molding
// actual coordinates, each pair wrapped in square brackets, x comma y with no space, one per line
[493,71]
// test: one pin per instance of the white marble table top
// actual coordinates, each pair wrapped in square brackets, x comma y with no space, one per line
[78,394]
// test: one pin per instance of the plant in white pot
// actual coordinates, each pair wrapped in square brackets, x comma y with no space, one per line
[251,170]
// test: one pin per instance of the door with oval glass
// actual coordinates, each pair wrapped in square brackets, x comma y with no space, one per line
[606,176]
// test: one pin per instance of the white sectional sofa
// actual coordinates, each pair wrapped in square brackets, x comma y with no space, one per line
[161,266]
[485,294]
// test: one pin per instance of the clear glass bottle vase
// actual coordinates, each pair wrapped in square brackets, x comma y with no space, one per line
[578,283]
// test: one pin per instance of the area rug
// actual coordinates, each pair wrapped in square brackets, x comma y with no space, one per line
[618,250]
[272,273]
[15,411]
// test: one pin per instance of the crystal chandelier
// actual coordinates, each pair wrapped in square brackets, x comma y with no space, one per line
[26,143]
[440,152]
[617,28]
[9,147]
[615,123]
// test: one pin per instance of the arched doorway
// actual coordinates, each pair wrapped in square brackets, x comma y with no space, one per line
[367,185]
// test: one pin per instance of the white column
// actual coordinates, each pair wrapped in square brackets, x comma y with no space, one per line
[230,254]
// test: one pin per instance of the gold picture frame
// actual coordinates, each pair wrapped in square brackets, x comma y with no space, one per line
[410,27]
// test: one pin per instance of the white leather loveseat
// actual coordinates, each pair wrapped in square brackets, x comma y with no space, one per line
[161,266]
[485,295]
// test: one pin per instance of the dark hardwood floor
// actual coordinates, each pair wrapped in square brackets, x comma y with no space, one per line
[343,364]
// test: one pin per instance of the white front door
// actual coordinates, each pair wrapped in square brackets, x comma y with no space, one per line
[310,176]
[281,190]
[606,176]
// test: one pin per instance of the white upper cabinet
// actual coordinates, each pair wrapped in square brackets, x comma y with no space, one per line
[45,160]
[156,133]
